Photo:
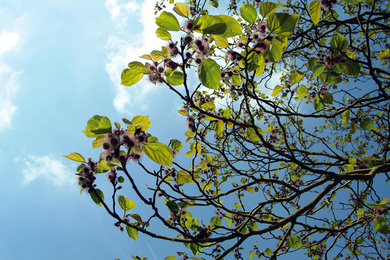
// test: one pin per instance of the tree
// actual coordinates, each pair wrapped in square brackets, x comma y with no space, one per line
[303,162]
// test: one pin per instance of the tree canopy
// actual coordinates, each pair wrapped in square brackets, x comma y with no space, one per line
[287,110]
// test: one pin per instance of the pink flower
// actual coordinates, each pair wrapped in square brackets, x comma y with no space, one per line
[262,27]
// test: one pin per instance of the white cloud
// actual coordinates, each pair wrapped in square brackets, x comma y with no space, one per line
[46,167]
[8,89]
[8,41]
[124,46]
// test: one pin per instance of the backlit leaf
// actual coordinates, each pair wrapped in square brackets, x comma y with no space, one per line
[132,232]
[268,8]
[209,73]
[282,23]
[94,195]
[249,13]
[168,21]
[159,153]
[75,157]
[182,9]
[176,78]
[315,11]
[163,34]
[125,203]
[97,125]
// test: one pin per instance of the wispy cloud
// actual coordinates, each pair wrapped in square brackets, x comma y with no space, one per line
[124,45]
[9,41]
[48,167]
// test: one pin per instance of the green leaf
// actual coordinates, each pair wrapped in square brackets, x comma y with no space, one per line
[312,62]
[172,206]
[75,157]
[317,103]
[251,134]
[182,177]
[157,55]
[330,77]
[218,126]
[339,42]
[146,57]
[95,197]
[366,123]
[221,41]
[170,257]
[138,122]
[233,28]
[168,21]
[210,24]
[317,70]
[294,242]
[132,232]
[345,118]
[276,51]
[125,203]
[159,153]
[182,9]
[176,144]
[268,251]
[302,91]
[276,90]
[327,98]
[251,254]
[350,68]
[131,76]
[209,73]
[282,23]
[163,34]
[381,226]
[268,8]
[294,78]
[176,78]
[97,125]
[315,11]
[249,13]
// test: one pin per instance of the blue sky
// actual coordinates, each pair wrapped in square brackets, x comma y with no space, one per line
[60,64]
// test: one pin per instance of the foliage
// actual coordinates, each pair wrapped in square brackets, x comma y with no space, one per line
[302,162]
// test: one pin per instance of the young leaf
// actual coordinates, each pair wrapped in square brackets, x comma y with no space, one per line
[75,157]
[345,118]
[168,21]
[95,197]
[294,242]
[125,203]
[276,90]
[182,9]
[315,11]
[249,13]
[268,8]
[276,51]
[132,75]
[170,257]
[294,78]
[209,73]
[176,144]
[157,55]
[163,34]
[176,78]
[97,125]
[159,153]
[132,232]
[317,103]
[302,91]
[221,41]
[327,98]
